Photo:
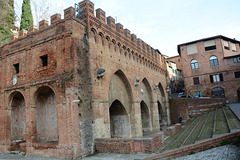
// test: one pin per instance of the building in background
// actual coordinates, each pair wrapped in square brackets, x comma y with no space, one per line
[211,67]
[175,80]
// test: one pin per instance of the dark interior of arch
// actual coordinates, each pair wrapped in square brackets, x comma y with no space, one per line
[145,117]
[119,121]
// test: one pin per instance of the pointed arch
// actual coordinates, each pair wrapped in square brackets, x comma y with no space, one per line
[119,120]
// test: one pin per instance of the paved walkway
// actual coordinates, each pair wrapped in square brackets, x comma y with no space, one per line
[235,108]
[100,156]
[229,152]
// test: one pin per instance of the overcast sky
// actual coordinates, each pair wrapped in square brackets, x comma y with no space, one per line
[164,24]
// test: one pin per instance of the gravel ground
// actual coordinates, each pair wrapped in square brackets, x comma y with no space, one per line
[228,152]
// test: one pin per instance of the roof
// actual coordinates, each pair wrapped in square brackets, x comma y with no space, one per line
[206,39]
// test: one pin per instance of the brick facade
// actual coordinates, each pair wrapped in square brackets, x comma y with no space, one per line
[215,63]
[49,80]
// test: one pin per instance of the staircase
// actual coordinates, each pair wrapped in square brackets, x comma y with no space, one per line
[206,126]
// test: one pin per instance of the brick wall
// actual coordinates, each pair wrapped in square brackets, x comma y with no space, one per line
[190,107]
[129,146]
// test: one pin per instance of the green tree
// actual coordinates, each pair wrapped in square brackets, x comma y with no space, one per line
[6,18]
[26,17]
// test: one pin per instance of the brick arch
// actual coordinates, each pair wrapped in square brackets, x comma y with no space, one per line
[146,95]
[45,101]
[120,89]
[119,120]
[16,102]
[101,37]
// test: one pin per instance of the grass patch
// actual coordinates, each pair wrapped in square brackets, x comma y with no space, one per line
[221,123]
[207,130]
[234,123]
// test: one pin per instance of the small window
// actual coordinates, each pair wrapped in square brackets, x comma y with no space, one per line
[196,81]
[197,94]
[216,78]
[16,66]
[218,92]
[213,61]
[237,74]
[226,45]
[234,48]
[236,59]
[44,60]
[194,64]
[209,45]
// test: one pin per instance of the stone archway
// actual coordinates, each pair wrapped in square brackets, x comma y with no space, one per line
[146,106]
[120,97]
[119,121]
[46,110]
[18,117]
[145,117]
[162,108]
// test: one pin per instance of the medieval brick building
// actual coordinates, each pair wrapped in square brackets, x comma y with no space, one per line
[65,84]
[211,67]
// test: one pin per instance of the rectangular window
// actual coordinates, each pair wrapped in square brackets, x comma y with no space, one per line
[197,94]
[196,81]
[216,78]
[192,49]
[44,60]
[225,44]
[16,66]
[236,59]
[234,48]
[209,45]
[237,74]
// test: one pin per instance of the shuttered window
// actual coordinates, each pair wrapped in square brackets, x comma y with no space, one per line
[216,78]
[196,81]
[234,48]
[209,45]
[192,49]
[225,44]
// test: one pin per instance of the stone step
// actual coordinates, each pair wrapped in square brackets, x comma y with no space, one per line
[220,124]
[232,121]
[192,137]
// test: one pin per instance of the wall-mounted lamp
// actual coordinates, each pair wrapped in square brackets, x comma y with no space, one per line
[100,72]
[137,81]
[155,86]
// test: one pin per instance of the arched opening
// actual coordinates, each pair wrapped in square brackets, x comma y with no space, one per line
[119,121]
[218,92]
[238,93]
[47,125]
[18,117]
[145,117]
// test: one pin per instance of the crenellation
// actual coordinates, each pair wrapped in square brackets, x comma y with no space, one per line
[127,34]
[32,29]
[69,12]
[101,15]
[134,38]
[88,8]
[43,24]
[111,23]
[22,33]
[55,18]
[119,28]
